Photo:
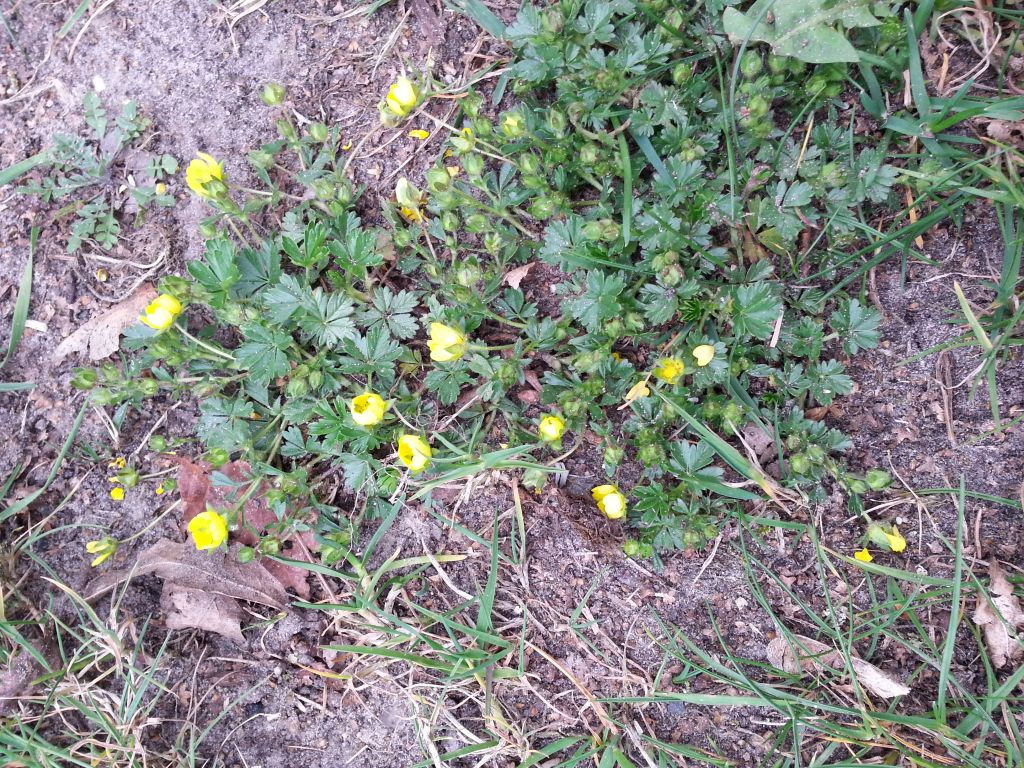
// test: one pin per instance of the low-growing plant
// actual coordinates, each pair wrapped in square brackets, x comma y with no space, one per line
[93,178]
[683,238]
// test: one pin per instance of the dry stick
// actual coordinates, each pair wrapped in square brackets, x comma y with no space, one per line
[101,9]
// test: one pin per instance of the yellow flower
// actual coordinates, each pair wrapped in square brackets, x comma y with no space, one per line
[453,170]
[703,354]
[445,343]
[638,390]
[209,529]
[419,133]
[896,541]
[201,172]
[886,537]
[160,188]
[414,452]
[412,215]
[368,409]
[160,490]
[403,96]
[551,428]
[103,548]
[863,555]
[117,494]
[161,312]
[610,501]
[118,463]
[669,369]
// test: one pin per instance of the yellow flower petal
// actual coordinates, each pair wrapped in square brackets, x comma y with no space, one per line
[669,369]
[403,96]
[414,452]
[638,390]
[551,428]
[863,555]
[896,541]
[419,133]
[610,501]
[704,354]
[201,172]
[161,313]
[117,494]
[445,343]
[209,529]
[368,409]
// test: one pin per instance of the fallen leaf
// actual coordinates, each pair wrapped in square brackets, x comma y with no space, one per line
[198,491]
[998,617]
[818,656]
[514,277]
[194,609]
[101,335]
[217,572]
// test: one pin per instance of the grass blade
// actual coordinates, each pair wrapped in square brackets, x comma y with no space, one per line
[22,302]
[481,14]
[16,171]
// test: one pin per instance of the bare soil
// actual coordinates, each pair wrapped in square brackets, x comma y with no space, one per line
[574,596]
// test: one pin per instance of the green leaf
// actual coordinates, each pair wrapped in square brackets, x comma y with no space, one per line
[22,301]
[856,325]
[331,319]
[599,301]
[218,271]
[828,380]
[481,14]
[225,423]
[804,29]
[755,308]
[447,383]
[263,353]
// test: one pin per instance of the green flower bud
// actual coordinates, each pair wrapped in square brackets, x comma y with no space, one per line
[592,230]
[286,129]
[468,274]
[513,125]
[474,165]
[799,464]
[269,546]
[858,486]
[149,387]
[590,154]
[529,164]
[246,555]
[84,378]
[557,122]
[477,223]
[543,208]
[573,407]
[218,457]
[777,65]
[758,106]
[319,132]
[128,477]
[651,455]
[816,453]
[692,539]
[492,243]
[682,72]
[438,179]
[158,444]
[750,64]
[613,455]
[209,229]
[877,479]
[273,94]
[471,104]
[631,547]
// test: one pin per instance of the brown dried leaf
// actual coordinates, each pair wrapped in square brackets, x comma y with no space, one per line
[217,572]
[189,608]
[101,335]
[514,277]
[819,656]
[1002,646]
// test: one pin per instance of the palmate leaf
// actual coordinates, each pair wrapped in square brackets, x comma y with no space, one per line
[808,30]
[599,301]
[263,353]
[755,308]
[856,325]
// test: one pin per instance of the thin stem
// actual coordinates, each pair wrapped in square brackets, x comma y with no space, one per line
[214,350]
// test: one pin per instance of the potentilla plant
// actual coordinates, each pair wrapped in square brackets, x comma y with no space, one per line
[670,338]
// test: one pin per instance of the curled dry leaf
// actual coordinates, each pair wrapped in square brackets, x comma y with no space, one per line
[999,616]
[215,572]
[188,608]
[514,277]
[815,656]
[101,335]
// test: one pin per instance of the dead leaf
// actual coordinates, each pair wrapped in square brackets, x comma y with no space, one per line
[817,656]
[217,572]
[514,277]
[194,609]
[998,617]
[101,335]
[197,492]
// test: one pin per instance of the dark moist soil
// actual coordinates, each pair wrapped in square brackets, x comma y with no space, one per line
[582,602]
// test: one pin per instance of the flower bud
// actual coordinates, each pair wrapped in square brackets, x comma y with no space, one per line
[474,165]
[84,378]
[319,132]
[273,94]
[218,457]
[438,179]
[557,122]
[246,555]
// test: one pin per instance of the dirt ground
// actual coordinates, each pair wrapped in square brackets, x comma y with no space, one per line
[581,601]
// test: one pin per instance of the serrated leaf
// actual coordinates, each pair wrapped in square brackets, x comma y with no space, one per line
[263,353]
[599,301]
[755,308]
[447,383]
[804,29]
[856,325]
